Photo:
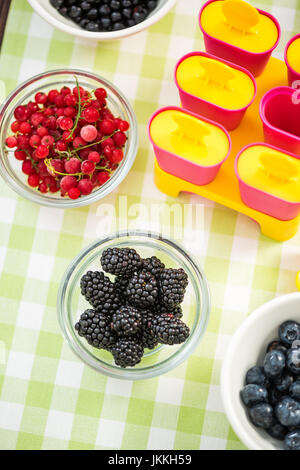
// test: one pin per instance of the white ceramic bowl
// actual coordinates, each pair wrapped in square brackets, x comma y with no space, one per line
[46,11]
[247,349]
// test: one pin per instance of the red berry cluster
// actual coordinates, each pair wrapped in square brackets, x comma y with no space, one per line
[68,140]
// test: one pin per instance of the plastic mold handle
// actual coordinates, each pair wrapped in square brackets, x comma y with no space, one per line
[240,15]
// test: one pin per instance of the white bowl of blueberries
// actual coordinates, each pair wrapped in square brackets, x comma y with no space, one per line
[102,20]
[260,380]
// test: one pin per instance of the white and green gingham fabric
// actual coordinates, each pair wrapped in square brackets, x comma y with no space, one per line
[48,398]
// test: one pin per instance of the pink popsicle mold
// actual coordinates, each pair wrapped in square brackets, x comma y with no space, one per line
[255,62]
[229,118]
[178,166]
[262,201]
[280,114]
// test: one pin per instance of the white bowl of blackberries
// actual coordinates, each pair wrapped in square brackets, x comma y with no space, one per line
[133,306]
[102,20]
[260,379]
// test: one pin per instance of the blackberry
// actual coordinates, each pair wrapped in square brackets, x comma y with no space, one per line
[170,330]
[127,352]
[153,265]
[126,321]
[120,285]
[99,291]
[176,311]
[94,327]
[142,289]
[120,261]
[173,284]
[147,335]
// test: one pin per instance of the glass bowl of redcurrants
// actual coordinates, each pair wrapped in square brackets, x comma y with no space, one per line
[68,138]
[133,305]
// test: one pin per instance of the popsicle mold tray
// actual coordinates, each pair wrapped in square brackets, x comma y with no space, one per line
[224,189]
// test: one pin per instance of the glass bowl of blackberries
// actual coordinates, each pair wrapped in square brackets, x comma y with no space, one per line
[102,20]
[133,305]
[260,380]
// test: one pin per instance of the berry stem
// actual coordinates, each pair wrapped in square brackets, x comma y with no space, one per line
[95,143]
[79,108]
[49,165]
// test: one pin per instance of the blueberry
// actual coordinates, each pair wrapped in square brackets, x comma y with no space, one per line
[289,331]
[105,15]
[274,363]
[151,4]
[56,3]
[295,390]
[262,415]
[104,10]
[277,431]
[252,394]
[292,441]
[74,11]
[283,383]
[278,345]
[293,361]
[256,375]
[288,412]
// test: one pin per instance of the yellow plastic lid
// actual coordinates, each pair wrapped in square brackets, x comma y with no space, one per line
[240,24]
[189,137]
[271,171]
[216,82]
[293,55]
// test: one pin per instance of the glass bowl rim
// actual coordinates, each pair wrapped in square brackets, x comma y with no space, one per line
[167,364]
[119,174]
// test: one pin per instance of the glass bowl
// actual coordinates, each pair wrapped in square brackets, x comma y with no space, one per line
[10,168]
[196,305]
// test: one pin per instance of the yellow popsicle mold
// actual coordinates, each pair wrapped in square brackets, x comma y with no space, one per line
[238,23]
[271,171]
[216,82]
[293,55]
[279,230]
[225,187]
[189,137]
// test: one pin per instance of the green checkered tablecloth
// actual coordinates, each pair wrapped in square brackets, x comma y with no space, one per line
[48,398]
